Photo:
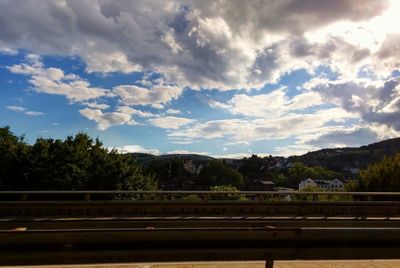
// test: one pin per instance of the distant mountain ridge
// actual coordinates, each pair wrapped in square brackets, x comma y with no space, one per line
[346,160]
[144,158]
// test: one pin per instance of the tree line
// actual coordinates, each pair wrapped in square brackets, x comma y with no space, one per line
[76,163]
[81,163]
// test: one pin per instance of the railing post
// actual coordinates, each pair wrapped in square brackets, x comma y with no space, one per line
[24,197]
[87,196]
[269,263]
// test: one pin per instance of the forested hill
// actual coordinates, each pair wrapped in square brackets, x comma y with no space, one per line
[331,157]
[344,159]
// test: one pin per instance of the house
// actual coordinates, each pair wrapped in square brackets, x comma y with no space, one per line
[261,185]
[336,185]
[308,183]
[324,185]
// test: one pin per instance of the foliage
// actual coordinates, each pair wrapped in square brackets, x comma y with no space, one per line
[299,172]
[77,163]
[381,176]
[169,173]
[216,173]
[320,197]
[281,180]
[342,159]
[225,188]
[14,157]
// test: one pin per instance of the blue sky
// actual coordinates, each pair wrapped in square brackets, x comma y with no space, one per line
[224,79]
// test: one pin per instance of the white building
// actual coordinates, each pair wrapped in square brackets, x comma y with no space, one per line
[324,185]
[307,183]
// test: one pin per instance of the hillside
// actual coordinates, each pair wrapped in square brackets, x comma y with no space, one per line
[346,161]
[349,159]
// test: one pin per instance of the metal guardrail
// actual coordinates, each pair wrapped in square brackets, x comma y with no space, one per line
[203,195]
[173,203]
[241,240]
[128,208]
[78,246]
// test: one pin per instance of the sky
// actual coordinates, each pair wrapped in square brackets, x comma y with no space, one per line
[221,78]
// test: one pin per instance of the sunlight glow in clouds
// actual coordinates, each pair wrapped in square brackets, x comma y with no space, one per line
[223,77]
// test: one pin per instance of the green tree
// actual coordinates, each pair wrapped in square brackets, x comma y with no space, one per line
[170,173]
[77,163]
[281,180]
[299,172]
[381,176]
[216,173]
[225,188]
[14,160]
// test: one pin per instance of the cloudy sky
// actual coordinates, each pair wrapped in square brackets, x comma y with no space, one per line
[223,78]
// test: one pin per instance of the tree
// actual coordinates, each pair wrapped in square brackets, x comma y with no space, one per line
[281,180]
[170,173]
[381,176]
[225,188]
[77,163]
[299,172]
[14,160]
[216,173]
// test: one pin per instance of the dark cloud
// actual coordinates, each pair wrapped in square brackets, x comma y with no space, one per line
[391,47]
[374,103]
[110,10]
[390,119]
[294,16]
[201,44]
[355,137]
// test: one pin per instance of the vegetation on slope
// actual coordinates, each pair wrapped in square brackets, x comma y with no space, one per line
[76,163]
[381,176]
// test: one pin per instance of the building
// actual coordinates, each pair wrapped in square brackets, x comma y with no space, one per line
[261,185]
[324,185]
[190,167]
[308,183]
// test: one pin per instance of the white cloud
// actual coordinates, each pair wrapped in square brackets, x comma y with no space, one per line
[33,113]
[135,149]
[187,152]
[273,103]
[16,108]
[110,62]
[278,127]
[8,51]
[170,122]
[157,95]
[297,149]
[133,111]
[173,111]
[108,119]
[23,110]
[242,143]
[96,105]
[54,81]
